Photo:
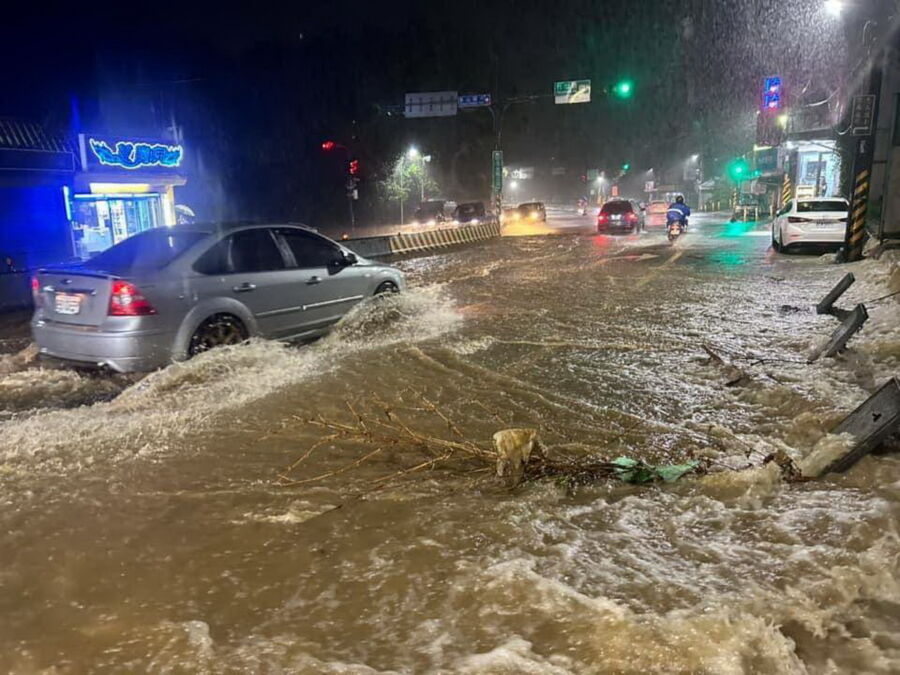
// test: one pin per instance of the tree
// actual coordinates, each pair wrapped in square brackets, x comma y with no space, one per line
[409,179]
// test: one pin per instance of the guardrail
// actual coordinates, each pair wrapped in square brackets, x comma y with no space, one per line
[15,291]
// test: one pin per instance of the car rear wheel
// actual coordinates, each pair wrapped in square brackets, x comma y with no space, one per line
[217,331]
[776,243]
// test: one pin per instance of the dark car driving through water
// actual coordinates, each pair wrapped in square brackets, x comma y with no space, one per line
[171,293]
[623,215]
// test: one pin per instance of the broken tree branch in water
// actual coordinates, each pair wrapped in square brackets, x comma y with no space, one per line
[515,455]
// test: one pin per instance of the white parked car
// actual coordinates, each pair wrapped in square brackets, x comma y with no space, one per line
[817,220]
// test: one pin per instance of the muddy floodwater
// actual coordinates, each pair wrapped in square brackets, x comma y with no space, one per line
[144,527]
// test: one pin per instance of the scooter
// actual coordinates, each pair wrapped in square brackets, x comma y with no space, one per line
[674,229]
[582,207]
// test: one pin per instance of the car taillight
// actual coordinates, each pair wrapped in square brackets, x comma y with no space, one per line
[795,219]
[126,300]
[603,218]
[632,217]
[36,292]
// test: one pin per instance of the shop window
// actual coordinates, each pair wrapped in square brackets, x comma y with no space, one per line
[814,170]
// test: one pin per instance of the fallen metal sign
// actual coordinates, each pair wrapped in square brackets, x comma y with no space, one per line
[826,306]
[870,424]
[838,340]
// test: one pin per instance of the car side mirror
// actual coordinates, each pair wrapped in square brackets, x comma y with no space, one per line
[350,258]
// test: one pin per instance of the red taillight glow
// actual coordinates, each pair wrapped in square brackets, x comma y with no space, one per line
[794,219]
[632,217]
[126,300]
[36,291]
[603,218]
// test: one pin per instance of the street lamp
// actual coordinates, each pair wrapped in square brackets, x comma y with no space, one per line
[513,184]
[834,7]
[413,154]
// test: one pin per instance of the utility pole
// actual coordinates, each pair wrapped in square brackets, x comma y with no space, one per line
[863,123]
[402,157]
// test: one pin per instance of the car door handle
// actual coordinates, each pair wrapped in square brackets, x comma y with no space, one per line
[244,288]
[314,280]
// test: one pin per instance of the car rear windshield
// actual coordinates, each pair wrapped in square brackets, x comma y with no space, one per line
[833,205]
[535,206]
[151,250]
[469,210]
[617,207]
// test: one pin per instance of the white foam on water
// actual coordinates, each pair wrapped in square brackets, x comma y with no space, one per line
[297,512]
[825,453]
[185,397]
[514,656]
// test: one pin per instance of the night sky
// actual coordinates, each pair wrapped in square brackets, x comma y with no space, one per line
[256,90]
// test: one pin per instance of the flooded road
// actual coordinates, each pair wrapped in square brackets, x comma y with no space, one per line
[144,526]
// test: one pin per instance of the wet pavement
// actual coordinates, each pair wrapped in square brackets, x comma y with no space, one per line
[144,527]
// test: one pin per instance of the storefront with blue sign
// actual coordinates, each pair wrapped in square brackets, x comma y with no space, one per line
[125,185]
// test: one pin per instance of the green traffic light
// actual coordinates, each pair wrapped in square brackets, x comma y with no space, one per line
[624,89]
[626,166]
[738,169]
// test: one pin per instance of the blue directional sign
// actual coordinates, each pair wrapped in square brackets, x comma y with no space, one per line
[474,100]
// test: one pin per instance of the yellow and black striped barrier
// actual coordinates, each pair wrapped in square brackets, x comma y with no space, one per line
[787,190]
[856,225]
[414,242]
[404,243]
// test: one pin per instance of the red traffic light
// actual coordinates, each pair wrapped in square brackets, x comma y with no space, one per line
[328,145]
[354,167]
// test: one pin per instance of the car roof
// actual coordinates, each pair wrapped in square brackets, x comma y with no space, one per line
[524,204]
[821,199]
[214,228]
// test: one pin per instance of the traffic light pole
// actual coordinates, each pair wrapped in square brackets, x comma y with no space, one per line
[864,153]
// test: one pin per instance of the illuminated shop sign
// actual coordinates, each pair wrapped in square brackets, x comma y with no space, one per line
[137,155]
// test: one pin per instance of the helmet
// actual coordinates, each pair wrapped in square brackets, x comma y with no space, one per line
[679,199]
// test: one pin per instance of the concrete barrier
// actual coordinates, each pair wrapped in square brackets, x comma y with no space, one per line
[404,243]
[15,291]
[415,242]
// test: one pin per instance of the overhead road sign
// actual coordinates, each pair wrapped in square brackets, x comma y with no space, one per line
[474,101]
[572,91]
[431,104]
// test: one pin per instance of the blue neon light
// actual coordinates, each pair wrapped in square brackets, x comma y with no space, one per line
[131,156]
[772,94]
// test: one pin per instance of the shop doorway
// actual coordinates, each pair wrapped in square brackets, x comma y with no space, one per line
[100,221]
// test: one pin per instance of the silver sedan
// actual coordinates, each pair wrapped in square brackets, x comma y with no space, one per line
[172,292]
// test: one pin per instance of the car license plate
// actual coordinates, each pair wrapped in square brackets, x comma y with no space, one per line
[68,303]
